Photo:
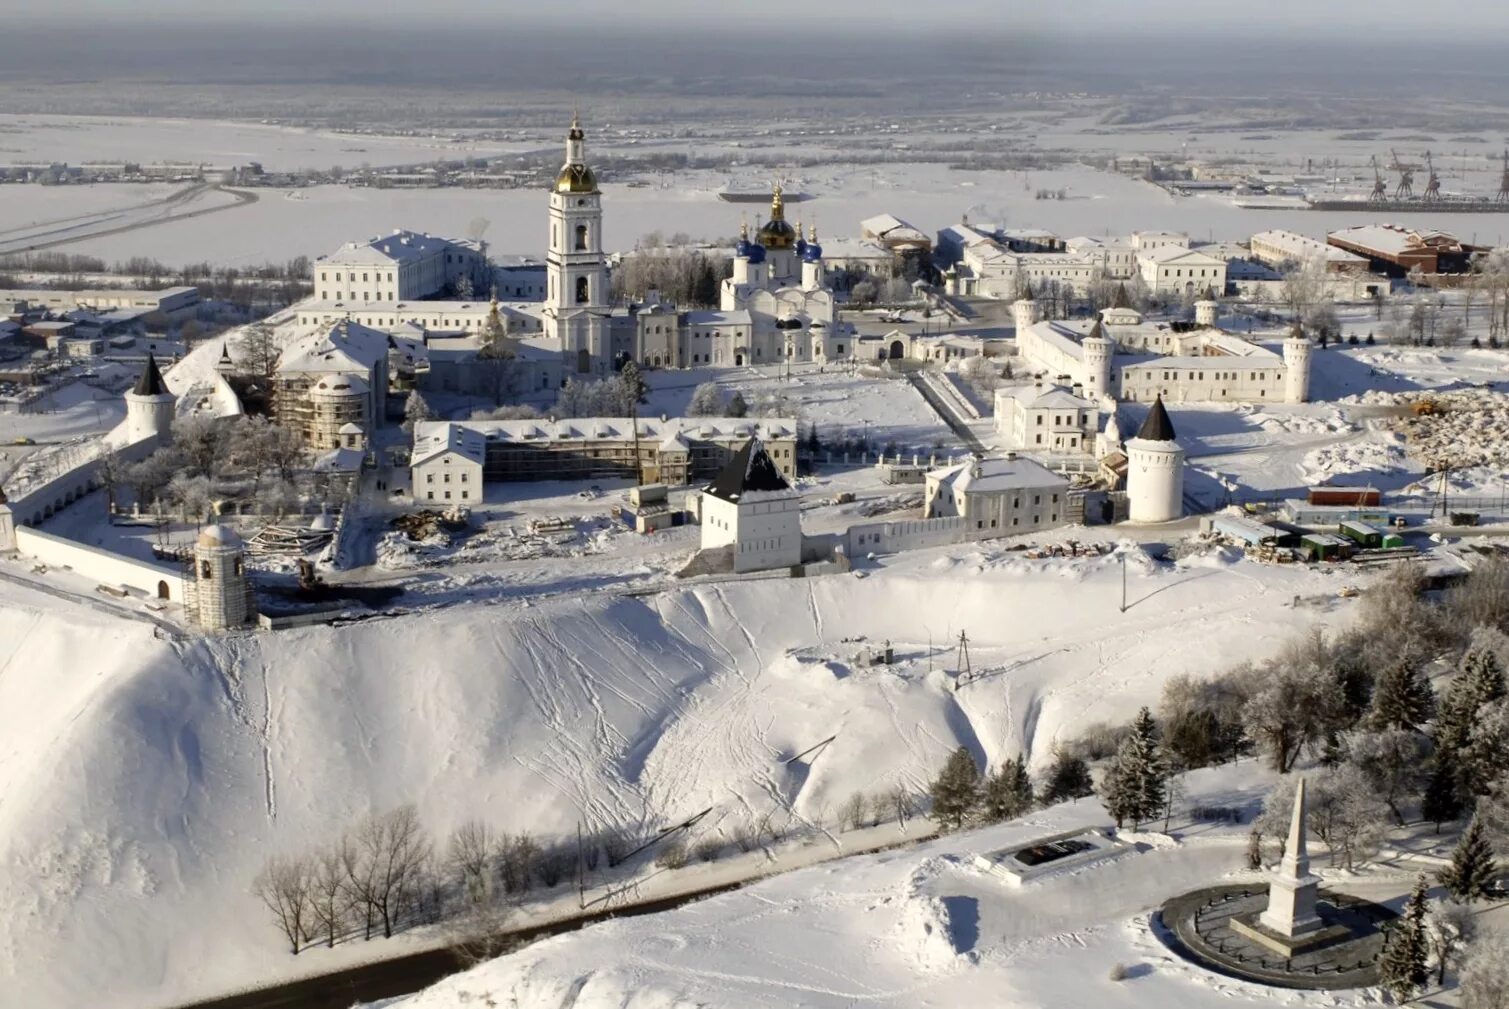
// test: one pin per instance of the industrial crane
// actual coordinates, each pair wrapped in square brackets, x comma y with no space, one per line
[1432,181]
[1405,190]
[1380,188]
[1503,194]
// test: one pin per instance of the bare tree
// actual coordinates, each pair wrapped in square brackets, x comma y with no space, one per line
[283,886]
[258,349]
[480,932]
[330,898]
[471,856]
[397,849]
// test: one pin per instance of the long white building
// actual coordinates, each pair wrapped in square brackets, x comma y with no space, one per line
[1122,356]
[402,266]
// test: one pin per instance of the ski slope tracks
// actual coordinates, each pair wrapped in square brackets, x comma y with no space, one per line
[144,781]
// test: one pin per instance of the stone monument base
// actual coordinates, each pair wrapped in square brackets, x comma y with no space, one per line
[1250,926]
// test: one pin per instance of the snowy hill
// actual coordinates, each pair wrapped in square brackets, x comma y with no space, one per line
[143,782]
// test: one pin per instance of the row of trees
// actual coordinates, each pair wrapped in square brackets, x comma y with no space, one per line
[385,874]
[963,796]
[213,458]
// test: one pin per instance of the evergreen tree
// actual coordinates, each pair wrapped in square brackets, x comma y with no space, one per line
[956,792]
[1442,800]
[1472,870]
[1402,698]
[1404,965]
[1008,792]
[1068,778]
[1137,781]
[1480,682]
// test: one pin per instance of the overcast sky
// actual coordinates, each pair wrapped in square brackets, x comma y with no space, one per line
[1076,17]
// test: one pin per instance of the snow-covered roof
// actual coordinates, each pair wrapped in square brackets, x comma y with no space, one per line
[1037,397]
[891,228]
[750,472]
[399,247]
[433,439]
[651,429]
[339,460]
[855,248]
[1392,239]
[345,346]
[991,476]
[712,317]
[1177,254]
[1297,246]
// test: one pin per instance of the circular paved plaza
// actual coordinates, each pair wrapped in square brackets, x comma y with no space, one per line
[1198,926]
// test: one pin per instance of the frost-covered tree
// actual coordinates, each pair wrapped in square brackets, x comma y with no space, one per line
[416,409]
[1402,698]
[1404,966]
[257,350]
[1393,761]
[1472,871]
[1344,814]
[1486,755]
[956,790]
[470,857]
[1007,792]
[737,407]
[1485,973]
[1292,707]
[1449,926]
[330,902]
[707,401]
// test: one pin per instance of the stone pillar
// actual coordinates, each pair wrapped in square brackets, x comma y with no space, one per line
[1293,890]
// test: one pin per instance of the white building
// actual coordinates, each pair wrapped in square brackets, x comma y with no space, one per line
[1279,248]
[981,264]
[331,378]
[669,450]
[403,266]
[1123,356]
[1047,418]
[1173,269]
[752,509]
[998,496]
[446,464]
[576,270]
[1115,257]
[1155,470]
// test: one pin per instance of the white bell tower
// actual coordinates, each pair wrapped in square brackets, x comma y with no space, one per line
[576,294]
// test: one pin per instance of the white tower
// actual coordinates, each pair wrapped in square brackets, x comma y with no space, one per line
[1205,313]
[812,262]
[1098,351]
[576,294]
[1155,470]
[149,407]
[1296,366]
[1025,311]
[221,596]
[1293,890]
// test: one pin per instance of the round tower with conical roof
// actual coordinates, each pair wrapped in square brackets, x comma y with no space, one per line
[812,262]
[1155,470]
[220,587]
[1098,350]
[1025,311]
[149,406]
[1297,366]
[1206,313]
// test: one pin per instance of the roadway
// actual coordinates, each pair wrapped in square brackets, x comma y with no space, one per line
[38,237]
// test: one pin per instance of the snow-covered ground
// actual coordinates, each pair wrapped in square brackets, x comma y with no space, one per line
[314,221]
[142,782]
[920,927]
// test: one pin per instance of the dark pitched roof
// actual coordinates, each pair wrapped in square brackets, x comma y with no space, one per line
[3,498]
[150,383]
[1123,300]
[1298,329]
[751,469]
[1157,427]
[1097,331]
[225,352]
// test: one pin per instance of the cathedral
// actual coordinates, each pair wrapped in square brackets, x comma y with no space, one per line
[776,307]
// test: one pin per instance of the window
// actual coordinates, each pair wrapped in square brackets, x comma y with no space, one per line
[447,495]
[204,570]
[581,237]
[429,478]
[463,480]
[582,290]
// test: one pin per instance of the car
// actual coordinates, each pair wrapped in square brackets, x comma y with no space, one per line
[23,440]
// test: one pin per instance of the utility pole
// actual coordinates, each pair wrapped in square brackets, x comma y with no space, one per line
[1123,581]
[964,672]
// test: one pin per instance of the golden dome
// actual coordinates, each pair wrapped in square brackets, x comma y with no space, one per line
[576,179]
[777,233]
